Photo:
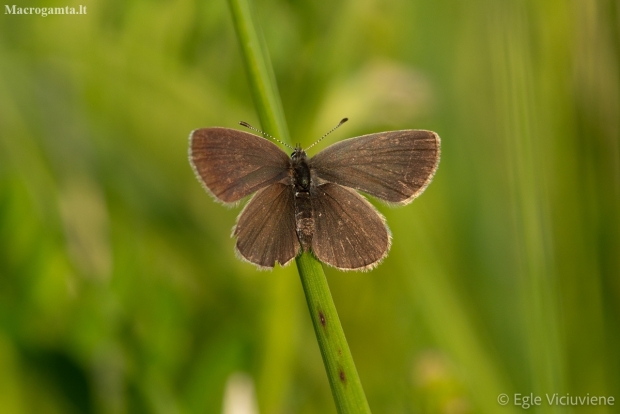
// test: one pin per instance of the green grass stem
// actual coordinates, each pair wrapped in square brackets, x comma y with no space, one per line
[343,378]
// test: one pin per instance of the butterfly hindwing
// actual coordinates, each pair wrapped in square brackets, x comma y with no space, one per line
[393,166]
[349,233]
[265,229]
[233,164]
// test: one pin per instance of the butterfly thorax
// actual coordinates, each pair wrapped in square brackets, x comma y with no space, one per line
[301,170]
[302,180]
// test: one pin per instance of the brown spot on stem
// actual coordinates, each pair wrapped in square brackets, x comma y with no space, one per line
[322,318]
[343,377]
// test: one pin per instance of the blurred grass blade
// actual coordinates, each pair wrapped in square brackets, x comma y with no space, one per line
[530,207]
[343,379]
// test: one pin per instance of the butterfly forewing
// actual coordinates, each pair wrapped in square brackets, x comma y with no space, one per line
[349,232]
[233,164]
[394,166]
[265,228]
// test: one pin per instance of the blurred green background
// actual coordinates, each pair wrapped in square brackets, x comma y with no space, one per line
[119,288]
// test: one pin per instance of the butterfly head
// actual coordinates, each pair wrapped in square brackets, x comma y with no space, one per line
[299,154]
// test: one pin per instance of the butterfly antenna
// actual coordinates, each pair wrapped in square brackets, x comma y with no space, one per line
[330,131]
[245,124]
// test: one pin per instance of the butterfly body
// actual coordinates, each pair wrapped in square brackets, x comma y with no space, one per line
[302,181]
[312,204]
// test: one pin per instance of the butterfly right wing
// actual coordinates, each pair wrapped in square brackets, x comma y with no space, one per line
[265,229]
[394,166]
[233,164]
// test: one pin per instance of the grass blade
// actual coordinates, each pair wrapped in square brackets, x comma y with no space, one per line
[342,374]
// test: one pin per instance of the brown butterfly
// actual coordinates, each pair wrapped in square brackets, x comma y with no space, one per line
[311,204]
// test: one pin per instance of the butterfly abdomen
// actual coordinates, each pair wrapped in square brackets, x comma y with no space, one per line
[304,222]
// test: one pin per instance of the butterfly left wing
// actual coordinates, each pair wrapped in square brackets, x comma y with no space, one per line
[349,233]
[233,164]
[394,166]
